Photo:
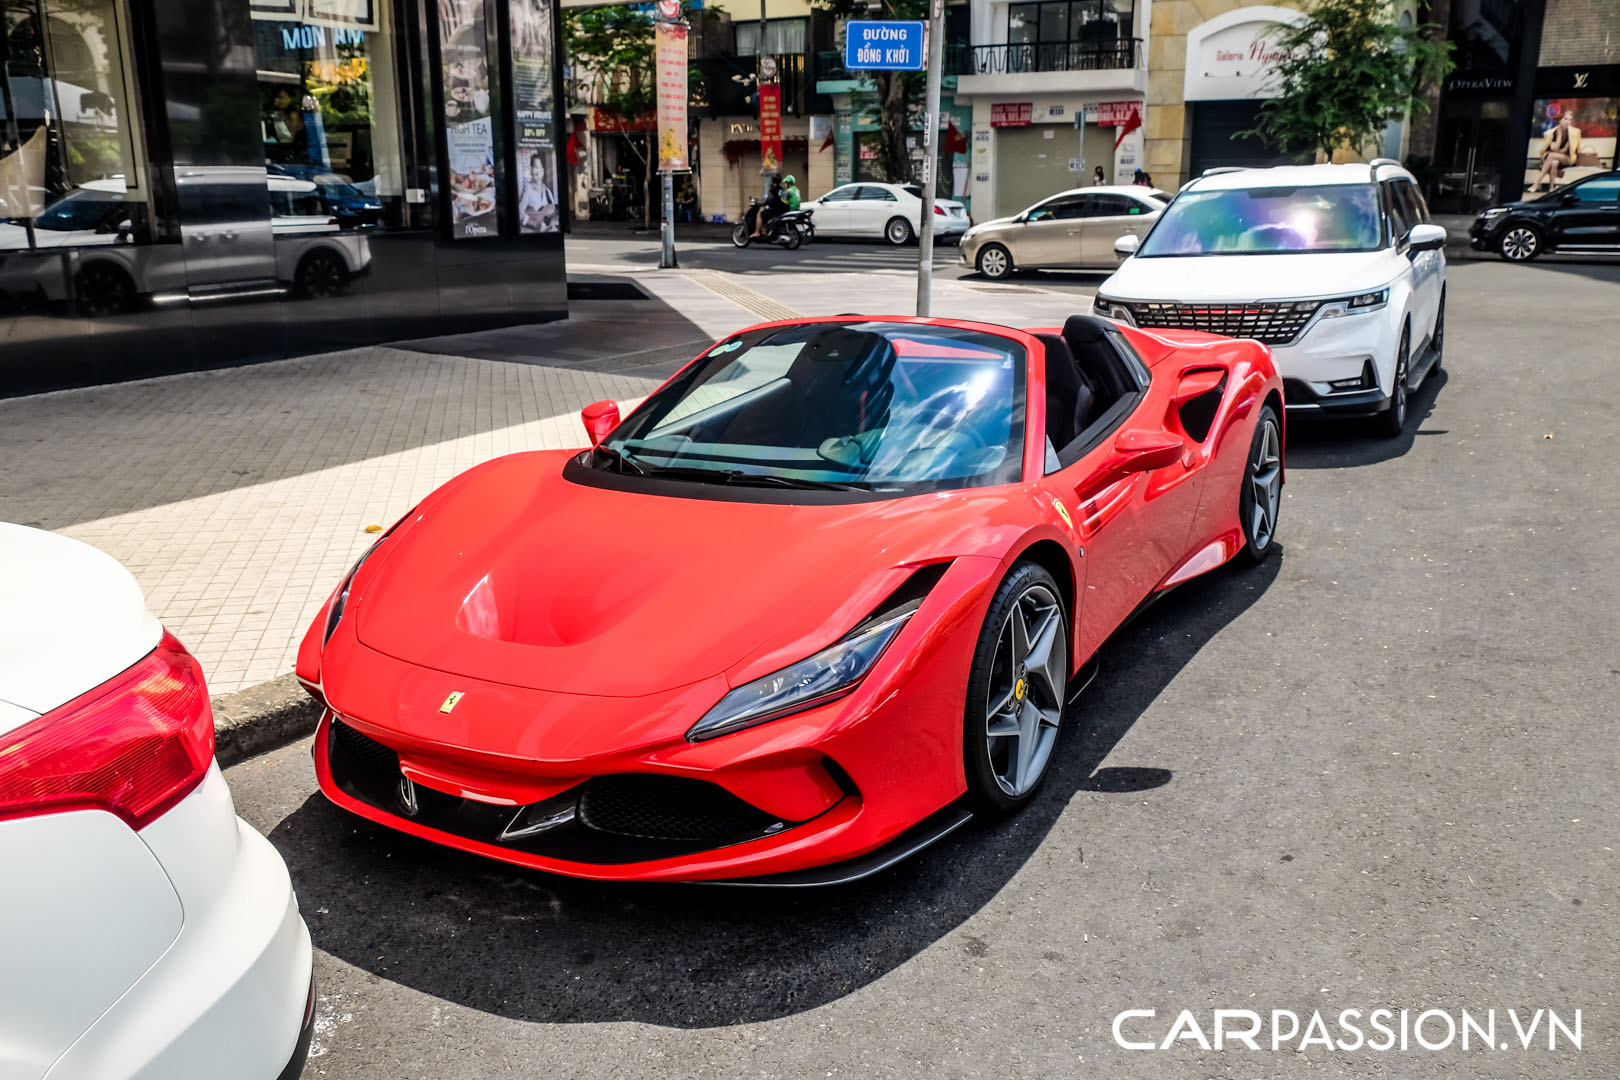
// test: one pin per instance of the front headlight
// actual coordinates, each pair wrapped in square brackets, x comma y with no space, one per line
[1104,308]
[824,677]
[1493,213]
[1355,305]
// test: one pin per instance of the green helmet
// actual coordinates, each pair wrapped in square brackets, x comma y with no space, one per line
[787,181]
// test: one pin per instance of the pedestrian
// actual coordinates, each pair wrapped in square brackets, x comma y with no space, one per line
[1142,179]
[1098,179]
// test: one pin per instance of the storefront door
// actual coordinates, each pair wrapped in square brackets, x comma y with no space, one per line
[1033,163]
[1469,157]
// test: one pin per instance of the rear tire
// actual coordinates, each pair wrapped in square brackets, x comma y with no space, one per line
[102,288]
[898,232]
[995,262]
[1017,687]
[791,240]
[1260,498]
[321,274]
[1437,341]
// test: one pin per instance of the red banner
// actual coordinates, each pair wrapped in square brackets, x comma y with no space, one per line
[770,127]
[1011,113]
[672,94]
[605,119]
[1119,114]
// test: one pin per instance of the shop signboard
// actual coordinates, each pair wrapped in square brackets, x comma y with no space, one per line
[770,127]
[672,94]
[534,117]
[353,14]
[469,130]
[1011,113]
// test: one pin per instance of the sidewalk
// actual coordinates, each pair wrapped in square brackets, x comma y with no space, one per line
[238,497]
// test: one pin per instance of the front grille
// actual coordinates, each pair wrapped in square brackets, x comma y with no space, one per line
[1270,322]
[669,808]
[364,751]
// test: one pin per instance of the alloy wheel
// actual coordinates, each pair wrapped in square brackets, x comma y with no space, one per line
[1024,699]
[322,276]
[1520,243]
[1398,406]
[898,231]
[1265,485]
[993,262]
[102,290]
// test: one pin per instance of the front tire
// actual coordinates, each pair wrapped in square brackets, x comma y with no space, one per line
[101,288]
[1390,423]
[898,232]
[1016,691]
[1260,498]
[995,262]
[740,236]
[1519,243]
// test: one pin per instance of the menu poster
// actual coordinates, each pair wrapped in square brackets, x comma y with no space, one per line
[469,132]
[672,95]
[534,114]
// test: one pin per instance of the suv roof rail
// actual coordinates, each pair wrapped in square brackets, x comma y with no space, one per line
[1220,169]
[1379,162]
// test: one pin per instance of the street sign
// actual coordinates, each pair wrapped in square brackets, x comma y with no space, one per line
[879,45]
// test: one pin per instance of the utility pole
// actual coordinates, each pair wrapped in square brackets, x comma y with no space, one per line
[925,234]
[761,72]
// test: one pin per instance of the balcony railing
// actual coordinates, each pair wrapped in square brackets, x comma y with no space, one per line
[1111,55]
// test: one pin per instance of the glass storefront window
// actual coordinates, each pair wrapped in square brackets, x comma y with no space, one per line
[329,103]
[71,163]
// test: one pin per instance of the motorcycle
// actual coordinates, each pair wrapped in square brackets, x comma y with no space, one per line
[789,228]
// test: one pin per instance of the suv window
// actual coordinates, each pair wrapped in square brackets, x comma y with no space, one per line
[1605,189]
[1400,211]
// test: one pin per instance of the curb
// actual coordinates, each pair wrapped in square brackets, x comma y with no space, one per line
[261,718]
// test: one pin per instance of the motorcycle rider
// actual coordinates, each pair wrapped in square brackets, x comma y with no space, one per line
[775,205]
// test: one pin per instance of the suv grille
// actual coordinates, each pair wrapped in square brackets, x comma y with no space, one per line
[1270,322]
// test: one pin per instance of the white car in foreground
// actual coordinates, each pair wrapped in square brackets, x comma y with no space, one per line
[148,931]
[1336,267]
[891,212]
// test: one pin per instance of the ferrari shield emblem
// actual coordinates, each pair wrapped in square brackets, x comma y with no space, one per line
[452,701]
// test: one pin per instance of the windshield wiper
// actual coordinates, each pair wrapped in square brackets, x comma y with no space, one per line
[734,476]
[620,458]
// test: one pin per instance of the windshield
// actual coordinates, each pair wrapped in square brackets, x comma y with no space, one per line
[1266,221]
[863,405]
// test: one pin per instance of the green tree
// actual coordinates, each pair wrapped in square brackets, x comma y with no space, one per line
[615,48]
[1348,69]
[894,90]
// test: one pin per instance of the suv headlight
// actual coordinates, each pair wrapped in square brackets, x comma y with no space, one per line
[1493,213]
[825,677]
[1355,305]
[1105,308]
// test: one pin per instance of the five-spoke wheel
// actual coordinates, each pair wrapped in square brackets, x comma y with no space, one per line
[1261,497]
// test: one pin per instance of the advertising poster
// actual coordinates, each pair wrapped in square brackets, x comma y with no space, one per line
[770,127]
[1593,126]
[534,116]
[672,94]
[469,132]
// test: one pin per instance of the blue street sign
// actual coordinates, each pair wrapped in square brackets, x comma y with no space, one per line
[883,46]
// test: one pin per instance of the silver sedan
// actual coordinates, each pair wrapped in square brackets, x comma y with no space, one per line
[1071,230]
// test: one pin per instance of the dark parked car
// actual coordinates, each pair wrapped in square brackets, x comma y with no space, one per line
[352,207]
[1583,218]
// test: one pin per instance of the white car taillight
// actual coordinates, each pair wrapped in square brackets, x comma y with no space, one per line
[134,746]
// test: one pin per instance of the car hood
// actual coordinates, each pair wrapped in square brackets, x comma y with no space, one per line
[73,618]
[1248,277]
[516,575]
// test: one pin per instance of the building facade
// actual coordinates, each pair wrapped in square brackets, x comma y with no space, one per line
[1058,90]
[1521,65]
[189,183]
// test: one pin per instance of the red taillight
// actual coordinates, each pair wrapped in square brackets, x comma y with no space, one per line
[939,210]
[133,746]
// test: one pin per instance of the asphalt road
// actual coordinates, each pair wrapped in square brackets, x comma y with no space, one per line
[1379,771]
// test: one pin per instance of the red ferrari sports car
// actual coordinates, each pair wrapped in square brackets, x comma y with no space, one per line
[818,599]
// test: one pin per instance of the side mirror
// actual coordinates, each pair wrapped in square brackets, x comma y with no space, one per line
[1127,245]
[600,418]
[1426,238]
[1140,450]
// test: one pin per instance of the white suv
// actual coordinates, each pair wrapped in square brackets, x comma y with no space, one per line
[1336,267]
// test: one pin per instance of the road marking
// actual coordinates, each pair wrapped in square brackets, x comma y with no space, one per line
[721,285]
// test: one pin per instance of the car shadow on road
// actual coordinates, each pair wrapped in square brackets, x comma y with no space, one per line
[1326,443]
[535,947]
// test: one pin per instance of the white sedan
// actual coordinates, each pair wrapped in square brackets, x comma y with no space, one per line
[891,212]
[149,932]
